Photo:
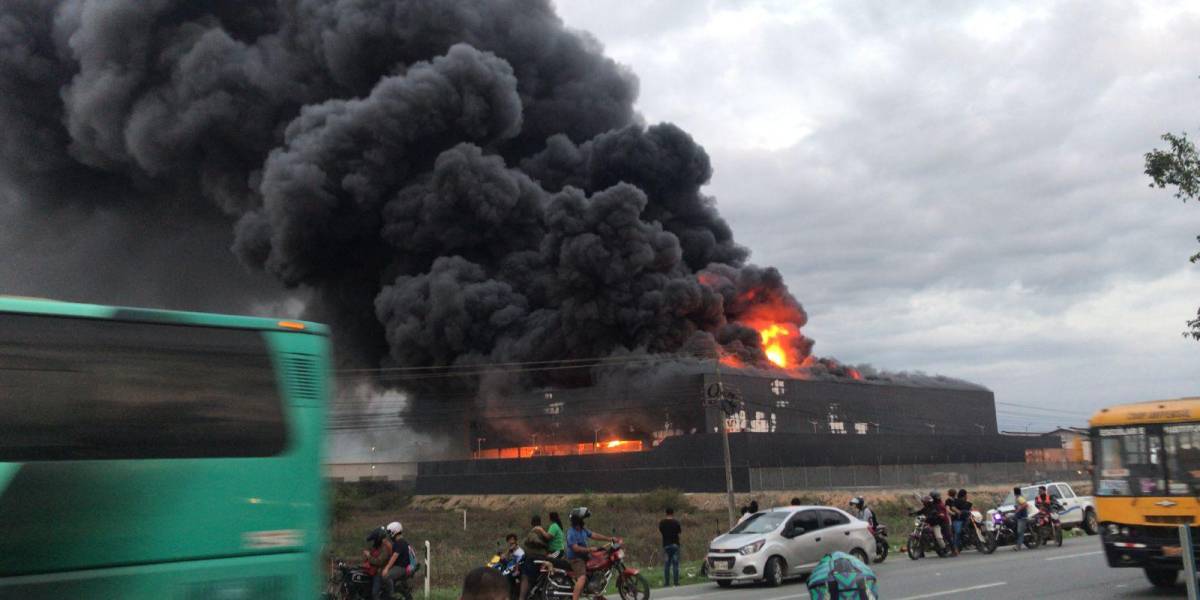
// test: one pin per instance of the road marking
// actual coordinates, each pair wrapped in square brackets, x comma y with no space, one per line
[958,591]
[1076,555]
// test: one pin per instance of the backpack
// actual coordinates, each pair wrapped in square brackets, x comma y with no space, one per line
[413,564]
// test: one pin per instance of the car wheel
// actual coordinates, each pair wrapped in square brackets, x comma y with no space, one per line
[724,583]
[773,573]
[1090,524]
[860,554]
[1162,578]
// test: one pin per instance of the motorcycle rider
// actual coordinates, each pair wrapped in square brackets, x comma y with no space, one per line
[513,553]
[557,545]
[864,513]
[943,519]
[400,566]
[577,550]
[932,514]
[377,556]
[1043,501]
[536,548]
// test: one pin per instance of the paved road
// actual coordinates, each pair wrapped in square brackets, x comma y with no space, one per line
[1075,571]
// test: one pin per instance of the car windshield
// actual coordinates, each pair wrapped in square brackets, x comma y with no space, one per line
[764,522]
[1027,492]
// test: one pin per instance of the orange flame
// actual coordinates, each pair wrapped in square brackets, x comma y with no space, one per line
[772,346]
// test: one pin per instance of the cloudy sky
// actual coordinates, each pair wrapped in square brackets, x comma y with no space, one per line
[948,188]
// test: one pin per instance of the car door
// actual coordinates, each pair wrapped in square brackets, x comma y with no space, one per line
[1071,514]
[837,530]
[805,546]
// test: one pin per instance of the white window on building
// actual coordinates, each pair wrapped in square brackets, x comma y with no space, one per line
[861,428]
[837,427]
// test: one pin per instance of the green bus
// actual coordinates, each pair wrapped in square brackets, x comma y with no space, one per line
[159,454]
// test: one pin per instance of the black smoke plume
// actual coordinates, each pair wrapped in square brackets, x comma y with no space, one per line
[446,182]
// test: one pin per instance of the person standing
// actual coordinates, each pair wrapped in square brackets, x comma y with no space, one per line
[670,530]
[1022,516]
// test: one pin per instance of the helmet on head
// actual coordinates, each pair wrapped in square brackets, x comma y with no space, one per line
[395,528]
[580,513]
[926,500]
[936,495]
[856,501]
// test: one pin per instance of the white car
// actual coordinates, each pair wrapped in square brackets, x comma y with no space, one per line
[786,542]
[1078,511]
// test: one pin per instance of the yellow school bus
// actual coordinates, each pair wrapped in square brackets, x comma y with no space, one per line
[1147,480]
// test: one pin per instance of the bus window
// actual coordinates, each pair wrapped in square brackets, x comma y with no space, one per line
[1182,447]
[1128,462]
[77,389]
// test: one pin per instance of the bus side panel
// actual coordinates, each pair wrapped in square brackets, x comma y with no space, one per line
[59,517]
[1149,511]
[266,577]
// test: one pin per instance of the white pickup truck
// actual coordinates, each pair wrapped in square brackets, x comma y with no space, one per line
[1078,511]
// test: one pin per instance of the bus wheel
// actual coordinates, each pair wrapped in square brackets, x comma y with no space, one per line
[1090,525]
[1162,578]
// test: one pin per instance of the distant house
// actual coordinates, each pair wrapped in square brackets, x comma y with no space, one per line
[1075,445]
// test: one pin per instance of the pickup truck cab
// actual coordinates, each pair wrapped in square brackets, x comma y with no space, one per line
[1078,511]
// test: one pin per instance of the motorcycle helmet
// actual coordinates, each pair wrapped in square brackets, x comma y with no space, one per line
[395,527]
[580,513]
[857,501]
[935,495]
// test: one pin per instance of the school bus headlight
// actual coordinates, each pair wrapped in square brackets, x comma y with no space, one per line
[1114,529]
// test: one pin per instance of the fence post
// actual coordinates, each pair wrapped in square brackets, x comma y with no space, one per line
[464,519]
[428,568]
[1189,560]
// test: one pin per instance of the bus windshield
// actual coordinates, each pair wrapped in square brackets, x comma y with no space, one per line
[1148,460]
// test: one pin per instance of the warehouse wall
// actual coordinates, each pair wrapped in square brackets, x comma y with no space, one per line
[901,476]
[694,463]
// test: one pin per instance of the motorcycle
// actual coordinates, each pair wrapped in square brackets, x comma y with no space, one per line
[1004,530]
[603,563]
[976,535]
[1046,525]
[922,538]
[347,583]
[511,570]
[881,543]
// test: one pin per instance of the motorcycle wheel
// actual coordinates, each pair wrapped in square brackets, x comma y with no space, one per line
[988,545]
[943,552]
[1058,538]
[1033,539]
[633,587]
[881,551]
[915,551]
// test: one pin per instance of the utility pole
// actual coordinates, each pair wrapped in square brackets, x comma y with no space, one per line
[726,402]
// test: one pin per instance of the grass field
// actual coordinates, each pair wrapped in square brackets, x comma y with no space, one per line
[634,517]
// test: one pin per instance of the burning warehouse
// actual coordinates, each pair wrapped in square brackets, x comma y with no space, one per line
[640,415]
[664,431]
[465,196]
